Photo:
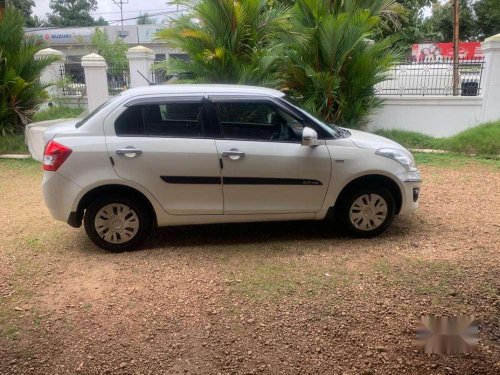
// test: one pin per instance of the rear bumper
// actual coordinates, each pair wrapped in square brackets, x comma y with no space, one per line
[59,194]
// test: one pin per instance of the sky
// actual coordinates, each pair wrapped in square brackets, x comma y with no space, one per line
[110,11]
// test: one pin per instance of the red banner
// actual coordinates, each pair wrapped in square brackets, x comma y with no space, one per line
[444,51]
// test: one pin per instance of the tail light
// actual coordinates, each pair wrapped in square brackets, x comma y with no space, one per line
[54,156]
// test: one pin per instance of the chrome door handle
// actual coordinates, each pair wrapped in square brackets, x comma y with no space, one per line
[129,152]
[233,154]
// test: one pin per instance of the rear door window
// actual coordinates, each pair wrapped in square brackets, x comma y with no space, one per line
[170,119]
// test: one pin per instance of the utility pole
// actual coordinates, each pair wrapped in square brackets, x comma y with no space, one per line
[122,34]
[456,41]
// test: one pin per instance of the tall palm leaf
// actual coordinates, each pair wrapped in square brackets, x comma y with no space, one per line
[228,41]
[333,67]
[20,89]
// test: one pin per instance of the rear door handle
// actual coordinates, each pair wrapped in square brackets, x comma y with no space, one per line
[129,152]
[233,154]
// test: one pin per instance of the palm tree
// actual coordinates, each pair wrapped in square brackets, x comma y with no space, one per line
[228,41]
[332,65]
[21,91]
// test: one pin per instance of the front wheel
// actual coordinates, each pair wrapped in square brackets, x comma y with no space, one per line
[367,211]
[117,223]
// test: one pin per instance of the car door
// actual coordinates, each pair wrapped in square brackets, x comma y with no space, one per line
[164,145]
[266,170]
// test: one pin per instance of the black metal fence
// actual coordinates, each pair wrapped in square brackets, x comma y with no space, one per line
[72,82]
[433,78]
[118,79]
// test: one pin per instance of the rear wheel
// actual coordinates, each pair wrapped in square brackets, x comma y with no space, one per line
[117,223]
[367,211]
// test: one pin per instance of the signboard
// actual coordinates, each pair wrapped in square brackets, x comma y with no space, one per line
[437,52]
[81,35]
[146,33]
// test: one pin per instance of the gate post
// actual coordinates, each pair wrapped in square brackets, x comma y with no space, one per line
[96,80]
[140,60]
[491,90]
[52,73]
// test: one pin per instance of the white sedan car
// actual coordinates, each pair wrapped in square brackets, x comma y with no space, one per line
[200,154]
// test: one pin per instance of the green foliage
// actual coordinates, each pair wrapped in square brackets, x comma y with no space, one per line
[440,23]
[412,139]
[145,19]
[13,144]
[228,41]
[57,112]
[20,89]
[113,52]
[487,17]
[482,140]
[25,6]
[479,19]
[73,13]
[331,66]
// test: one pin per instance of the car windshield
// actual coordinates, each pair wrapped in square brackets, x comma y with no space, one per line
[91,114]
[334,130]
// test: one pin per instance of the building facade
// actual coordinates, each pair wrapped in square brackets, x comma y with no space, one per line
[75,43]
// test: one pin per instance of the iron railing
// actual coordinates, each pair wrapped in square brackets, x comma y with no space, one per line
[72,82]
[118,79]
[432,78]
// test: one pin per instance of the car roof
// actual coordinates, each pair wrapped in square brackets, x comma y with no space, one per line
[209,89]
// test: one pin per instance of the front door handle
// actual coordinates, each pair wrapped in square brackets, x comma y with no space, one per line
[233,154]
[129,152]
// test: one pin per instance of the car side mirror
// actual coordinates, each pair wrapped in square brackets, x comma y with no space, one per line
[309,137]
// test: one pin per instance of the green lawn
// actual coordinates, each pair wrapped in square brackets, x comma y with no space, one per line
[13,144]
[57,112]
[483,140]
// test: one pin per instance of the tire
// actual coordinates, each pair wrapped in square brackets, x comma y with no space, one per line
[117,223]
[367,211]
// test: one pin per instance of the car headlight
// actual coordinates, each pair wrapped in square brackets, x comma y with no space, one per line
[403,158]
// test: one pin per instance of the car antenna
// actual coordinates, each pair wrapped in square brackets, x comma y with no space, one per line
[147,80]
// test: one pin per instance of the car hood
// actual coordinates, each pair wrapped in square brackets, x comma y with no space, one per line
[372,141]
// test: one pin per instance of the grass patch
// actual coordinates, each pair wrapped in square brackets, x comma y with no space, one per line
[454,160]
[278,280]
[13,144]
[482,140]
[23,165]
[432,278]
[57,112]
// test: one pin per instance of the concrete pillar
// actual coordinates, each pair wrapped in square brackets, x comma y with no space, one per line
[52,73]
[140,59]
[96,80]
[491,78]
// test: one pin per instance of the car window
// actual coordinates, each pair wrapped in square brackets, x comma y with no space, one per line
[183,120]
[258,121]
[84,119]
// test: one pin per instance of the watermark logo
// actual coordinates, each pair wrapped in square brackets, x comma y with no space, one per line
[447,334]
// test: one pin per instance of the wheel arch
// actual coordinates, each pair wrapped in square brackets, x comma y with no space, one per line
[76,217]
[372,179]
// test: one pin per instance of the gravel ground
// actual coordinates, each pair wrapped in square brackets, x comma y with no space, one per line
[272,298]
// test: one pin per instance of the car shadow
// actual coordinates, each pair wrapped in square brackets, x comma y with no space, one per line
[262,232]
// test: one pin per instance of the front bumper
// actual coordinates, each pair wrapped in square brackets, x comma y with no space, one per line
[410,192]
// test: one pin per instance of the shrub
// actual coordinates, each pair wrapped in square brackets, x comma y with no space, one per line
[20,89]
[228,41]
[482,140]
[331,65]
[57,112]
